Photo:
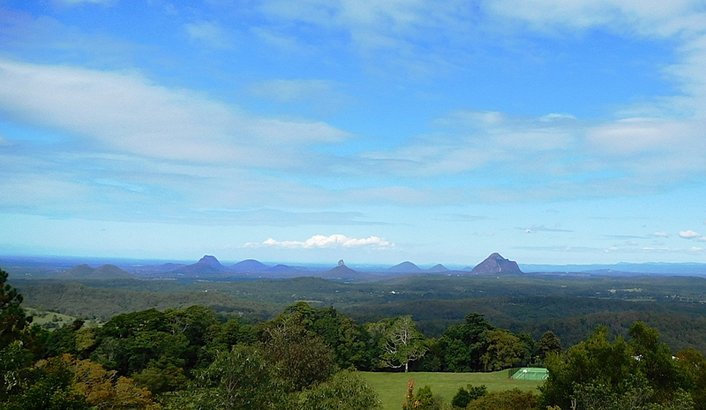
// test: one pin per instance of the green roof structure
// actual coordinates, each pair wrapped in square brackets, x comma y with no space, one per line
[531,373]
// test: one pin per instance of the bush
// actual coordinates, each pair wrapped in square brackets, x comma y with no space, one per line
[467,395]
[514,399]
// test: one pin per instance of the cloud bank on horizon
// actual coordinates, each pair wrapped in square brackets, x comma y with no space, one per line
[450,130]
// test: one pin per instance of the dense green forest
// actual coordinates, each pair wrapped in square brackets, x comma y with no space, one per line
[572,306]
[306,356]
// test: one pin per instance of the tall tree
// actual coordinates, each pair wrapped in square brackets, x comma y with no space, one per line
[548,343]
[240,379]
[504,350]
[300,357]
[401,342]
[462,345]
[12,317]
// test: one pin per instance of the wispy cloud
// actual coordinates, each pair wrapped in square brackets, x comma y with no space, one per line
[127,112]
[542,228]
[288,91]
[209,33]
[323,241]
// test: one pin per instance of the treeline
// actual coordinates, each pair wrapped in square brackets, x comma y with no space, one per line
[307,357]
[572,307]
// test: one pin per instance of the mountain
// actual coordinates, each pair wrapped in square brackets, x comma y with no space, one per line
[207,265]
[439,268]
[249,266]
[102,272]
[340,272]
[405,267]
[495,264]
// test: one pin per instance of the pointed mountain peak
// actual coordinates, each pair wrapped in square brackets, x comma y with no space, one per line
[438,268]
[495,264]
[209,261]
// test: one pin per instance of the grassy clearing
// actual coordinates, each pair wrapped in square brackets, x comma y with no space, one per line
[53,320]
[391,387]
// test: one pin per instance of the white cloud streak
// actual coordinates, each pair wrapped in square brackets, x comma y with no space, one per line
[323,241]
[125,111]
[209,33]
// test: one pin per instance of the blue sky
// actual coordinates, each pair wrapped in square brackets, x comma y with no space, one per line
[377,132]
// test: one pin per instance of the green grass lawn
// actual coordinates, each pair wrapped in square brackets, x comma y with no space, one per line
[391,387]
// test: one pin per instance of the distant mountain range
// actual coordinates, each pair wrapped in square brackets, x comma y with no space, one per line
[209,267]
[104,272]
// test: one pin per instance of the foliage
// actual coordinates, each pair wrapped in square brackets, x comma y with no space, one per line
[104,389]
[508,400]
[463,345]
[12,317]
[655,361]
[601,374]
[300,358]
[63,382]
[548,343]
[502,350]
[345,390]
[423,399]
[692,365]
[470,393]
[347,340]
[239,379]
[400,342]
[46,385]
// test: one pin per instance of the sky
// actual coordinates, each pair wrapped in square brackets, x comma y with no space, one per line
[553,132]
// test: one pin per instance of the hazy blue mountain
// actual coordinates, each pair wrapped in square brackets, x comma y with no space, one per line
[405,267]
[340,272]
[438,268]
[207,265]
[496,264]
[102,272]
[249,266]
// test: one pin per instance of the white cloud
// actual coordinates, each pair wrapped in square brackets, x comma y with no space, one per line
[655,18]
[469,140]
[660,234]
[323,241]
[638,135]
[127,112]
[689,234]
[287,91]
[208,33]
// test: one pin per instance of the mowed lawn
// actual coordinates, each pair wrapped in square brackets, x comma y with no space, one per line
[391,387]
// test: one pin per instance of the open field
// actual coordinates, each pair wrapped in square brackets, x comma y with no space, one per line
[391,387]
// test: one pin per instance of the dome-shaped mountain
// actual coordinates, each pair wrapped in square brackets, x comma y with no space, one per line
[405,267]
[438,268]
[101,272]
[249,266]
[495,264]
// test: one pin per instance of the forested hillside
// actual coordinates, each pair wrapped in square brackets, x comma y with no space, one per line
[306,357]
[571,306]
